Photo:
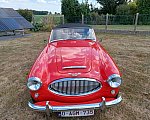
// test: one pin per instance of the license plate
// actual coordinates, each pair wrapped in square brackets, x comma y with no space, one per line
[73,113]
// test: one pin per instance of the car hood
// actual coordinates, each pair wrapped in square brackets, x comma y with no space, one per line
[58,58]
[73,59]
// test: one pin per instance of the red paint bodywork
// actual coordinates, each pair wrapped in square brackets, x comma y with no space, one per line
[48,67]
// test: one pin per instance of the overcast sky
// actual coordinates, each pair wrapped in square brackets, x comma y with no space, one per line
[48,5]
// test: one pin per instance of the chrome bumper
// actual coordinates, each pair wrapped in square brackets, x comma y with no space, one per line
[74,107]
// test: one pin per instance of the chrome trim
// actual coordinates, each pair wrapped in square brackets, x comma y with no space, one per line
[74,74]
[34,79]
[113,76]
[74,67]
[68,79]
[104,102]
[76,107]
[36,107]
[48,111]
[73,39]
[113,102]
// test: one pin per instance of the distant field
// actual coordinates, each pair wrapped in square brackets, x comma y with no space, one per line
[39,18]
[123,27]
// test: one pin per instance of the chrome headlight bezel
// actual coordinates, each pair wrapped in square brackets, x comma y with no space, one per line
[114,80]
[34,83]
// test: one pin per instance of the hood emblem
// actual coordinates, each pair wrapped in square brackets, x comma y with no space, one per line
[74,74]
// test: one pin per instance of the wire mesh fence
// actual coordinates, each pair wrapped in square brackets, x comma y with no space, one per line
[144,19]
[138,22]
[73,19]
[121,19]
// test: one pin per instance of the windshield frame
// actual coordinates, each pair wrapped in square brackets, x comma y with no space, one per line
[93,32]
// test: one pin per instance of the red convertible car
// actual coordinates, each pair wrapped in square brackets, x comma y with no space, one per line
[74,74]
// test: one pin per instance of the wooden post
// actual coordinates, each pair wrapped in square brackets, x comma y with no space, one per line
[63,19]
[33,21]
[136,21]
[82,19]
[23,32]
[106,26]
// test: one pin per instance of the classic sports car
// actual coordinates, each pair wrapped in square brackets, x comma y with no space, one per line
[74,74]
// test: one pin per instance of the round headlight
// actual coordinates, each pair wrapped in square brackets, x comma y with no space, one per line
[114,80]
[34,83]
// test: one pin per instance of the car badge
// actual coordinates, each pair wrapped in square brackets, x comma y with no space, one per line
[74,74]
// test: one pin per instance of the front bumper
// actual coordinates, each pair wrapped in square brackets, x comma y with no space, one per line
[100,105]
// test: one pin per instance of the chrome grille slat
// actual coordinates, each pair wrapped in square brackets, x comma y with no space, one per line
[65,87]
[84,86]
[74,86]
[68,90]
[81,89]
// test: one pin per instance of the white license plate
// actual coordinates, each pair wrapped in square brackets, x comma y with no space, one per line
[73,113]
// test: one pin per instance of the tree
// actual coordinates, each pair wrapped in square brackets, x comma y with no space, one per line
[123,9]
[71,10]
[133,7]
[35,12]
[143,6]
[27,14]
[129,8]
[85,8]
[109,6]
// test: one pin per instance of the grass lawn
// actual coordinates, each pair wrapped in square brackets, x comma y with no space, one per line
[123,27]
[131,54]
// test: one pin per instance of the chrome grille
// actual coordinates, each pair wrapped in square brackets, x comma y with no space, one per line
[74,86]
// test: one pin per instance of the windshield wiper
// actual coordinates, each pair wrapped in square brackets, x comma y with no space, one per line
[74,39]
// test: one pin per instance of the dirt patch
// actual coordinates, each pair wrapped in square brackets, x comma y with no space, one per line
[131,53]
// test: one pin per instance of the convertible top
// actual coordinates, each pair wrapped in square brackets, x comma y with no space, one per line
[71,25]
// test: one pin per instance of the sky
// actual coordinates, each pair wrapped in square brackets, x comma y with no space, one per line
[45,5]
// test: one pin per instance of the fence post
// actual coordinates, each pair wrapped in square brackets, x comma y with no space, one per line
[82,19]
[63,19]
[53,20]
[33,20]
[136,21]
[106,26]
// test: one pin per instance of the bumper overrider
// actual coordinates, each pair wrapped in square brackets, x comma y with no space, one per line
[50,108]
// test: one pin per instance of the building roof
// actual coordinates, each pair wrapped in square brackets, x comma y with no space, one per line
[12,20]
[70,25]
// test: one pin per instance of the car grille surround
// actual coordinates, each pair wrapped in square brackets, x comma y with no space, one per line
[75,86]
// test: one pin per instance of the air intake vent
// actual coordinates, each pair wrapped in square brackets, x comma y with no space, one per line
[74,86]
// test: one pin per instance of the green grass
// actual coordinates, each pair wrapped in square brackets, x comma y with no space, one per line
[39,18]
[123,27]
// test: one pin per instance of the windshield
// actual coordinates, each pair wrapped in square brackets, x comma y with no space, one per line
[72,33]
